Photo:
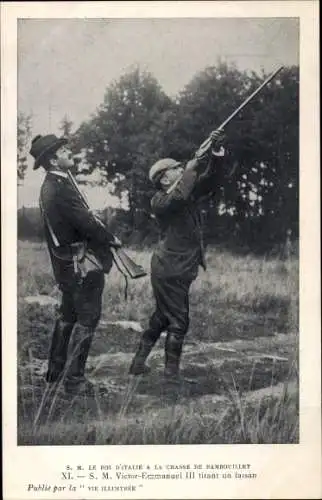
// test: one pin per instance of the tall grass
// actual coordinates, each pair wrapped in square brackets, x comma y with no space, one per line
[242,299]
[261,287]
[268,419]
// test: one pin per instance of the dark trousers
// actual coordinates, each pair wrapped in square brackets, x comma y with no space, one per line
[172,304]
[79,314]
[82,302]
[172,314]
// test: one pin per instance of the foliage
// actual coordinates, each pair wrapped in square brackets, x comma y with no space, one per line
[256,201]
[23,138]
[262,147]
[123,137]
[30,223]
[66,126]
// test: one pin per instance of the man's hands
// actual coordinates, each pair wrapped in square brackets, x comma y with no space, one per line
[215,141]
[217,138]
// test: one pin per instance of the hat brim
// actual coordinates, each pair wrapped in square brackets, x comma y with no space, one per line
[53,147]
[157,177]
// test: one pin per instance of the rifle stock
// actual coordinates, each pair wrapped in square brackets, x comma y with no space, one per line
[123,262]
[122,259]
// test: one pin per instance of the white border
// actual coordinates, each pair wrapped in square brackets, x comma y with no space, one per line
[285,471]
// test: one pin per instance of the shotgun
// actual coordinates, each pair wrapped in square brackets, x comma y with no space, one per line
[205,146]
[123,262]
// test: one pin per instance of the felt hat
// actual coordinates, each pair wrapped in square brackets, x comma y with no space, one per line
[41,145]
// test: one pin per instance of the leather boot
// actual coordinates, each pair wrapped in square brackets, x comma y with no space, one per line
[173,350]
[79,346]
[58,350]
[146,344]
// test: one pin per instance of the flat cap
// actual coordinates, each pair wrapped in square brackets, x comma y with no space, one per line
[160,166]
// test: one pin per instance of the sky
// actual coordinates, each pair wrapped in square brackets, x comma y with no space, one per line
[65,65]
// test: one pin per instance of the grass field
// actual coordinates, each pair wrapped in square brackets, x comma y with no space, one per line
[242,349]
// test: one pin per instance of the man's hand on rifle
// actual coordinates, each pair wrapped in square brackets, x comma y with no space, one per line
[217,138]
[213,144]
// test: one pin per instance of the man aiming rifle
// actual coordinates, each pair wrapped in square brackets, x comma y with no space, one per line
[175,262]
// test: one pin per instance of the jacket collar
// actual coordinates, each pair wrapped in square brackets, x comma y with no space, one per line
[58,173]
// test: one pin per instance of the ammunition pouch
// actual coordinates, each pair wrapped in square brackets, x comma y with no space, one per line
[84,258]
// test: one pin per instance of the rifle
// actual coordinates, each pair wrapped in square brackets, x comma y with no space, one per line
[206,145]
[123,262]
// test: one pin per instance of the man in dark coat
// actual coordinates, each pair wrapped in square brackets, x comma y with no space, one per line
[175,262]
[68,223]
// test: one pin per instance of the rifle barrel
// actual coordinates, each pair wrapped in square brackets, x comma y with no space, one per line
[249,98]
[207,143]
[73,181]
[82,197]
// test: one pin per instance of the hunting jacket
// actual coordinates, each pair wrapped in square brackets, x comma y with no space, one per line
[181,249]
[67,220]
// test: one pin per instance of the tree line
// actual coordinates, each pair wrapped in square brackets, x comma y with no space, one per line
[256,201]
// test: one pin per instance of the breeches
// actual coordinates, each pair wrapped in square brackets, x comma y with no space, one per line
[172,304]
[82,302]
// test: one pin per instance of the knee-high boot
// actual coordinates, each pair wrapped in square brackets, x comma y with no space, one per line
[79,346]
[173,350]
[148,339]
[58,350]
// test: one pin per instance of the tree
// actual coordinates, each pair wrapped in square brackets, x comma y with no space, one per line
[280,140]
[269,170]
[262,146]
[257,190]
[66,126]
[124,136]
[23,138]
